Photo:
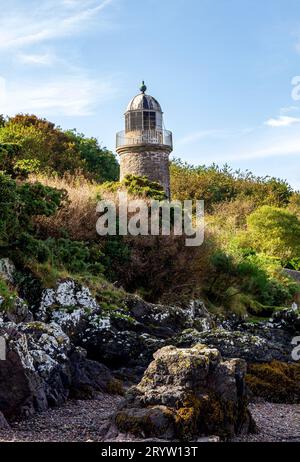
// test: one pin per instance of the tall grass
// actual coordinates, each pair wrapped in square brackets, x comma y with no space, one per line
[77,218]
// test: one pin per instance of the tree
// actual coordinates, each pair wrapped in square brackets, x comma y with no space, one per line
[100,163]
[275,232]
[216,185]
[35,138]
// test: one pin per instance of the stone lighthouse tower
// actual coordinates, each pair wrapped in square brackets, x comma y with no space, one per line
[144,147]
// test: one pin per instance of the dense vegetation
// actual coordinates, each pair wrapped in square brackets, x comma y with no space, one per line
[30,144]
[50,182]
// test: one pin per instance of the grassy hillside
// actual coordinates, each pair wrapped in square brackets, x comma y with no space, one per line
[50,182]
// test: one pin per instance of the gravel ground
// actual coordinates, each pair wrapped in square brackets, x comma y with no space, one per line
[275,422]
[90,421]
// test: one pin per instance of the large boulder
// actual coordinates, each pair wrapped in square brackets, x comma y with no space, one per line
[35,373]
[42,367]
[186,393]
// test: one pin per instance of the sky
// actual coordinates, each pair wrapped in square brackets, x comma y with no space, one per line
[226,72]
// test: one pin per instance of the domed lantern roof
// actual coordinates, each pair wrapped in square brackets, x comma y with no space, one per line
[143,102]
[144,127]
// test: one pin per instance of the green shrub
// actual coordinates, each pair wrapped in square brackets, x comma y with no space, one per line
[138,186]
[28,138]
[74,256]
[100,163]
[19,203]
[275,232]
[244,285]
[7,296]
[215,185]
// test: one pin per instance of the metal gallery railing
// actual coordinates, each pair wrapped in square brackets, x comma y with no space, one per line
[140,137]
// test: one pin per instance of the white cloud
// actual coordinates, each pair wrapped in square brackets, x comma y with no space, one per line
[282,121]
[52,20]
[278,148]
[64,95]
[45,59]
[289,109]
[199,135]
[66,90]
[221,134]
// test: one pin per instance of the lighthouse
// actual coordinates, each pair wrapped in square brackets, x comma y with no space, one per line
[144,146]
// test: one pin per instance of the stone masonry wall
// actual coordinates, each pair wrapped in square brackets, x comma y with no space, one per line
[153,164]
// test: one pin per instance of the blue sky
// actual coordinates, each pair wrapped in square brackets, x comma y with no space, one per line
[221,69]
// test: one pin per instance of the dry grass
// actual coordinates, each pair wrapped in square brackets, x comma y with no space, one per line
[159,266]
[78,217]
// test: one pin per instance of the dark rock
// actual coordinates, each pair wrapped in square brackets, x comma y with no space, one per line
[18,312]
[288,320]
[90,377]
[186,393]
[155,422]
[164,321]
[42,368]
[35,374]
[240,344]
[129,335]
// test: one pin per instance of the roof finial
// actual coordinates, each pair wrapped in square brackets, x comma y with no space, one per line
[143,87]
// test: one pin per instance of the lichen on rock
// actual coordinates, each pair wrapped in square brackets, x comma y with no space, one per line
[195,392]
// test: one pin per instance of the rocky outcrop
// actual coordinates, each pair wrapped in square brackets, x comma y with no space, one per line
[165,321]
[239,344]
[41,367]
[288,319]
[67,294]
[34,374]
[128,334]
[186,393]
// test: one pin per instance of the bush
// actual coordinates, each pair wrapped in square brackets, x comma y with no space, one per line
[75,257]
[245,285]
[7,296]
[100,163]
[19,203]
[275,232]
[139,186]
[215,185]
[39,139]
[27,138]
